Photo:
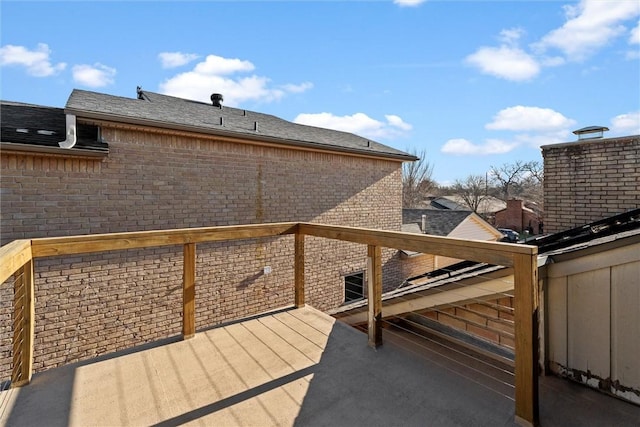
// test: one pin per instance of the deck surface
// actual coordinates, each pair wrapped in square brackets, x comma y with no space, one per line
[293,368]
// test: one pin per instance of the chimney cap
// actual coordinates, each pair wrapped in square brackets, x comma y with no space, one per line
[590,132]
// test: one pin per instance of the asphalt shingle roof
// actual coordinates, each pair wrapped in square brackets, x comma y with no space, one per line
[176,113]
[439,222]
[45,126]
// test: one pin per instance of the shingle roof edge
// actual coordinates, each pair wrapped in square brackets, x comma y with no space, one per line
[88,113]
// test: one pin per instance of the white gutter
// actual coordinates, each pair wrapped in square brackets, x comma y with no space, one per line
[71,133]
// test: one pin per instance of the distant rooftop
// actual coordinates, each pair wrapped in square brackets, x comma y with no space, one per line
[439,222]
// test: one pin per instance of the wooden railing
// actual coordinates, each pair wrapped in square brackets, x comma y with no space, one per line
[17,257]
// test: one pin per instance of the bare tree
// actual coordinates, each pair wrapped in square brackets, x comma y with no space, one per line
[532,183]
[535,170]
[472,190]
[508,175]
[416,180]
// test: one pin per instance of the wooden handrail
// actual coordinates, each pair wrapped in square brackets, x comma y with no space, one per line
[13,256]
[71,245]
[17,256]
[473,250]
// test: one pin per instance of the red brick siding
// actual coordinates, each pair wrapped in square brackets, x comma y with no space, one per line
[515,218]
[91,305]
[590,180]
[490,320]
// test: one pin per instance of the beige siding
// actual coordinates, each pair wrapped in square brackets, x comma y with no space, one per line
[556,311]
[589,317]
[625,330]
[472,229]
[592,316]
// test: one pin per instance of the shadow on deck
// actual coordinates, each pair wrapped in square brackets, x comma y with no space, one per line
[295,367]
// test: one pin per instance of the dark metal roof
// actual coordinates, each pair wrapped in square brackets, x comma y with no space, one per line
[35,125]
[605,227]
[169,112]
[439,222]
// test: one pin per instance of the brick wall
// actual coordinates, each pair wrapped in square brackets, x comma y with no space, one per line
[416,265]
[491,320]
[590,180]
[91,305]
[517,218]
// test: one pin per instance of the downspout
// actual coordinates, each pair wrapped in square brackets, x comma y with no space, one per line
[72,137]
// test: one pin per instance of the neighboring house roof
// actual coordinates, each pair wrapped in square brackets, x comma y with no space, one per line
[462,224]
[27,125]
[445,203]
[487,205]
[439,222]
[153,109]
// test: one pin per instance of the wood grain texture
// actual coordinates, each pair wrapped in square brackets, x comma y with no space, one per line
[374,295]
[526,329]
[189,292]
[299,270]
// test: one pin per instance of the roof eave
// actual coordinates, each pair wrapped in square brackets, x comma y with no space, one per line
[83,114]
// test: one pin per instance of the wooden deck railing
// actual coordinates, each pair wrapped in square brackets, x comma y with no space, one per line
[17,257]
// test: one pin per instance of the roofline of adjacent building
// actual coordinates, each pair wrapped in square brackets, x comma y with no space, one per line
[587,141]
[19,147]
[313,146]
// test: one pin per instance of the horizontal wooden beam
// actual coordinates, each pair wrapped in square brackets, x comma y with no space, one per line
[13,256]
[51,246]
[472,250]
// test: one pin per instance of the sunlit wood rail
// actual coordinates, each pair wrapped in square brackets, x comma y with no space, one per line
[16,259]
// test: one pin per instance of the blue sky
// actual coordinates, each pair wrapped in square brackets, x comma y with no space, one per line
[474,83]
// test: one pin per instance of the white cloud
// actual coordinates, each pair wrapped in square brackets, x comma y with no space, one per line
[36,62]
[396,121]
[217,75]
[634,36]
[217,65]
[302,87]
[96,75]
[358,123]
[626,124]
[176,59]
[544,138]
[510,36]
[464,147]
[507,62]
[590,25]
[521,118]
[408,3]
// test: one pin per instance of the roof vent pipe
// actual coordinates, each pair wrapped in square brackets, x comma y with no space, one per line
[424,224]
[216,99]
[71,133]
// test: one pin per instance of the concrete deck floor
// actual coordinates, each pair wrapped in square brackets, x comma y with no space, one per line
[293,368]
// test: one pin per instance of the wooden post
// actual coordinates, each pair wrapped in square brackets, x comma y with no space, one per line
[299,270]
[374,294]
[189,291]
[24,322]
[526,329]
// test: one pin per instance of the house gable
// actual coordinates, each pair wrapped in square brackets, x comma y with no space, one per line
[475,228]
